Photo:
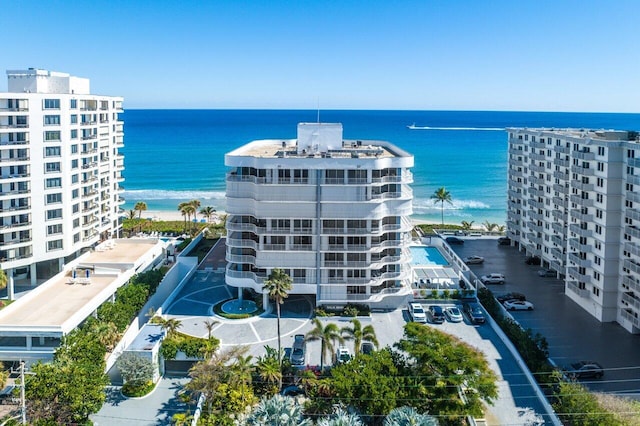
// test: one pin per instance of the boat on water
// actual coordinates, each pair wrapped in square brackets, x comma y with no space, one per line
[414,127]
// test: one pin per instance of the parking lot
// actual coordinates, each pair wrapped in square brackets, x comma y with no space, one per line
[572,334]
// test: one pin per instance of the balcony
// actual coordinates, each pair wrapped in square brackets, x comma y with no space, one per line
[559,215]
[632,301]
[632,231]
[537,145]
[562,149]
[535,215]
[536,204]
[632,214]
[516,173]
[582,217]
[575,244]
[537,169]
[15,225]
[632,266]
[557,253]
[631,283]
[14,159]
[536,192]
[582,186]
[13,208]
[633,196]
[633,162]
[586,156]
[516,162]
[574,258]
[560,175]
[575,273]
[560,188]
[631,317]
[557,240]
[561,163]
[515,151]
[90,194]
[559,228]
[537,157]
[632,248]
[560,202]
[537,180]
[633,179]
[584,171]
[584,202]
[576,229]
[15,176]
[582,292]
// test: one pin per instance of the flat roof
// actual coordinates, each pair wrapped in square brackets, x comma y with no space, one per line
[148,338]
[287,148]
[597,134]
[54,303]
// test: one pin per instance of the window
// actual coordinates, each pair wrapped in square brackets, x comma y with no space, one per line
[599,213]
[600,167]
[74,119]
[52,167]
[52,104]
[54,245]
[596,290]
[75,193]
[75,208]
[51,120]
[74,148]
[53,183]
[76,223]
[74,178]
[74,103]
[54,229]
[52,135]
[599,182]
[54,214]
[74,134]
[599,198]
[54,198]
[52,151]
[74,164]
[76,237]
[598,229]
[601,150]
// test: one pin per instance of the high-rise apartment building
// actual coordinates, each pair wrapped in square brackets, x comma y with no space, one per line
[333,213]
[573,201]
[60,171]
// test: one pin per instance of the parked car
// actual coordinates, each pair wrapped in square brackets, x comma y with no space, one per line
[547,273]
[453,314]
[518,305]
[583,370]
[533,260]
[454,240]
[417,313]
[436,314]
[367,347]
[474,260]
[510,296]
[494,278]
[292,390]
[474,312]
[504,241]
[298,350]
[343,355]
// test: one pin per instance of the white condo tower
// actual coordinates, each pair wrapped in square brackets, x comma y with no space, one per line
[60,172]
[333,213]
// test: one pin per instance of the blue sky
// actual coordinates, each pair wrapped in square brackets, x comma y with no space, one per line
[424,55]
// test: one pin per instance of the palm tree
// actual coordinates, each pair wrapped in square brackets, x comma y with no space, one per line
[195,203]
[408,416]
[277,410]
[277,287]
[467,225]
[327,335]
[207,212]
[131,214]
[269,369]
[3,280]
[169,325]
[340,418]
[440,196]
[209,324]
[140,207]
[106,333]
[490,226]
[358,334]
[187,209]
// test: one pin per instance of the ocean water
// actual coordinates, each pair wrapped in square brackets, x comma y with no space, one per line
[173,156]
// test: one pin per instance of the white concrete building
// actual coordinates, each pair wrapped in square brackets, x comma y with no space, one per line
[60,172]
[333,213]
[572,202]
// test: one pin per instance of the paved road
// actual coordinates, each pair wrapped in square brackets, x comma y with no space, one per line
[572,334]
[152,410]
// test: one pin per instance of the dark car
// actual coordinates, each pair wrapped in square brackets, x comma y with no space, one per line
[533,260]
[504,241]
[584,370]
[436,314]
[474,312]
[298,350]
[510,296]
[454,240]
[366,348]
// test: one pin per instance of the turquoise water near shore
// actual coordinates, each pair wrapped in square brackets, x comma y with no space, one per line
[173,156]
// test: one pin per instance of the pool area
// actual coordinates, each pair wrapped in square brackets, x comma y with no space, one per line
[427,256]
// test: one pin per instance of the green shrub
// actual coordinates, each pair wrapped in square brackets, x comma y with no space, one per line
[193,347]
[320,312]
[350,311]
[136,390]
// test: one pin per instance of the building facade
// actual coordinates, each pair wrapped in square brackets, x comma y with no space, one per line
[60,172]
[333,213]
[573,201]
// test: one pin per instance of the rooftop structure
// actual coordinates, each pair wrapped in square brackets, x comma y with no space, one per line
[60,172]
[572,202]
[333,213]
[31,327]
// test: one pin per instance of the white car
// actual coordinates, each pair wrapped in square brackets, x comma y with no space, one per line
[547,273]
[474,260]
[417,312]
[518,305]
[343,355]
[453,314]
[492,279]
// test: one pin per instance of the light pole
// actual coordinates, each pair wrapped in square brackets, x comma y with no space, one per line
[23,405]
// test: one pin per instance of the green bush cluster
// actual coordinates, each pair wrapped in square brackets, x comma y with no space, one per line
[193,347]
[169,227]
[349,310]
[134,389]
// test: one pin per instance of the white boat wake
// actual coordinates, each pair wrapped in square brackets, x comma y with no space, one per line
[490,129]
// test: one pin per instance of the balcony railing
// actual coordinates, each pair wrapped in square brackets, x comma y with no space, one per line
[582,292]
[585,171]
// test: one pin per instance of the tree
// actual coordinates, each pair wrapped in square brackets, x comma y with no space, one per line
[135,370]
[105,332]
[441,196]
[575,405]
[209,324]
[443,366]
[408,416]
[278,410]
[207,212]
[140,207]
[359,334]
[466,226]
[277,287]
[269,370]
[490,226]
[327,335]
[169,325]
[3,280]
